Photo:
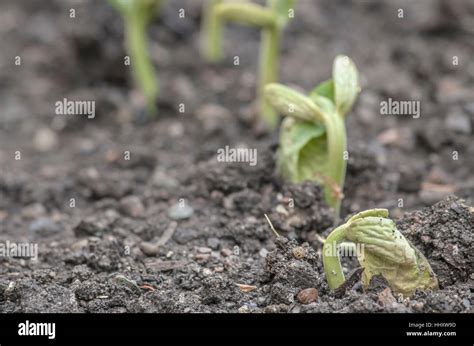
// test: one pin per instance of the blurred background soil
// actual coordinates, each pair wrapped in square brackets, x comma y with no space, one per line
[221,239]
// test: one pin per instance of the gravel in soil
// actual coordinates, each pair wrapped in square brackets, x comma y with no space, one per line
[171,229]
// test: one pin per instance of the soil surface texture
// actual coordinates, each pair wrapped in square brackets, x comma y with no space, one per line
[132,214]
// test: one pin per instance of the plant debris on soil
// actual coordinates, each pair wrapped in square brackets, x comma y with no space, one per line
[172,229]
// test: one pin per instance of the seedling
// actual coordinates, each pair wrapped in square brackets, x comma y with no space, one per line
[313,134]
[384,251]
[272,19]
[137,15]
[211,37]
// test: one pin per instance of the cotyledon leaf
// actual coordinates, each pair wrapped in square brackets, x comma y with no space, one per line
[325,89]
[303,150]
[301,133]
[313,161]
[346,83]
[292,103]
[386,252]
[370,212]
[247,14]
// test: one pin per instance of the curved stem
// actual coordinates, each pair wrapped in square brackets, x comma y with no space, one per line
[331,262]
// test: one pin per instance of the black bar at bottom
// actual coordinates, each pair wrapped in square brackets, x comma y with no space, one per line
[291,329]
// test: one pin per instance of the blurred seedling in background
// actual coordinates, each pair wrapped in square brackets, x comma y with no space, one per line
[385,252]
[137,15]
[211,32]
[272,19]
[313,134]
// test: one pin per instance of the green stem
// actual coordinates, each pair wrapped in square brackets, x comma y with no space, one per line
[212,32]
[269,53]
[336,137]
[142,67]
[331,262]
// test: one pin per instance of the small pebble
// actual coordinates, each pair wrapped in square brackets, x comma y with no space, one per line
[33,211]
[132,206]
[263,252]
[454,206]
[180,211]
[308,295]
[206,272]
[425,239]
[161,179]
[79,245]
[244,309]
[204,250]
[44,227]
[418,306]
[386,298]
[281,210]
[149,249]
[213,116]
[45,139]
[216,195]
[3,215]
[299,252]
[458,121]
[90,227]
[213,243]
[176,130]
[295,221]
[184,235]
[226,252]
[86,146]
[246,288]
[202,257]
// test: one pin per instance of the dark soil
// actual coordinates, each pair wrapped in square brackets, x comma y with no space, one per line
[127,245]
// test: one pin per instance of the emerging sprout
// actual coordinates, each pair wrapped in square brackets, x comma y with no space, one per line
[313,136]
[384,251]
[137,15]
[271,19]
